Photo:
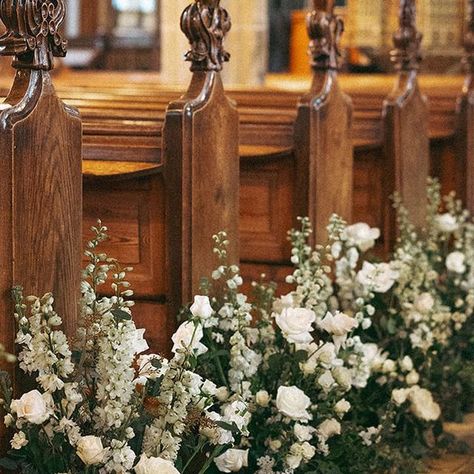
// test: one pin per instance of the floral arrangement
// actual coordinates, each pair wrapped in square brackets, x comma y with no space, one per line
[353,371]
[99,405]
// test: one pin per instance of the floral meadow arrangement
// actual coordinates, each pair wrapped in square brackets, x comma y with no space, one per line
[353,371]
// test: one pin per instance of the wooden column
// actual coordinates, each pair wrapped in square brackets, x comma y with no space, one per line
[465,115]
[323,142]
[405,121]
[201,154]
[41,178]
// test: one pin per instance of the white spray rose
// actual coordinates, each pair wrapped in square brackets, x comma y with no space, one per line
[456,262]
[233,460]
[339,325]
[424,303]
[379,277]
[400,395]
[148,465]
[201,308]
[296,324]
[189,336]
[342,407]
[262,398]
[90,450]
[374,356]
[329,428]
[413,378]
[293,403]
[361,235]
[303,432]
[422,404]
[33,407]
[326,381]
[446,223]
[19,440]
[343,377]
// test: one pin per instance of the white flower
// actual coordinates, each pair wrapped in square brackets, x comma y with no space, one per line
[374,356]
[293,403]
[424,303]
[233,460]
[339,325]
[285,301]
[326,381]
[296,324]
[389,366]
[400,395]
[19,440]
[379,277]
[303,432]
[446,223]
[90,450]
[222,394]
[329,428]
[343,377]
[406,364]
[32,406]
[342,407]
[189,336]
[455,262]
[262,398]
[215,433]
[237,412]
[148,465]
[201,308]
[413,378]
[361,235]
[422,404]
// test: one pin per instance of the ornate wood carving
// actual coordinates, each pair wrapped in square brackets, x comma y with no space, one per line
[323,128]
[465,116]
[201,157]
[405,122]
[40,182]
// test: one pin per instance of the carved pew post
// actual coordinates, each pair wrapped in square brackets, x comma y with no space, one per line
[323,142]
[201,156]
[465,117]
[405,122]
[41,177]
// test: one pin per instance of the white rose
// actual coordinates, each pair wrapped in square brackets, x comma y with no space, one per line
[329,428]
[374,356]
[90,450]
[400,395]
[361,235]
[262,398]
[189,336]
[413,378]
[339,325]
[422,404]
[379,277]
[148,465]
[446,223]
[19,440]
[274,444]
[455,262]
[32,406]
[342,407]
[233,460]
[296,324]
[303,432]
[293,461]
[201,308]
[343,377]
[326,381]
[389,366]
[293,403]
[424,303]
[406,364]
[308,451]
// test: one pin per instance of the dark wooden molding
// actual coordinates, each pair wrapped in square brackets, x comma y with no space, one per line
[323,128]
[465,117]
[40,182]
[405,123]
[201,158]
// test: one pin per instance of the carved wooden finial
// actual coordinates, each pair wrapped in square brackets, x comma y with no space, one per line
[32,34]
[469,38]
[206,24]
[407,40]
[325,30]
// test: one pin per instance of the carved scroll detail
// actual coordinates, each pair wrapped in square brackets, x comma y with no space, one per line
[407,40]
[206,23]
[325,31]
[32,32]
[469,39]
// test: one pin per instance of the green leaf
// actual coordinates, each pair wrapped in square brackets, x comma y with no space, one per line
[9,464]
[232,427]
[121,315]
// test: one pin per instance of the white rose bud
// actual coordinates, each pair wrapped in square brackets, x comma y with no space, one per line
[32,407]
[342,407]
[262,398]
[148,465]
[343,377]
[400,395]
[389,366]
[406,364]
[233,460]
[413,378]
[274,444]
[201,308]
[90,450]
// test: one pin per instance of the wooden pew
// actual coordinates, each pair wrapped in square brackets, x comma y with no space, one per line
[405,122]
[41,185]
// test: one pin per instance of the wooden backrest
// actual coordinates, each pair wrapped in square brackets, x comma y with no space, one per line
[40,182]
[323,128]
[405,122]
[465,116]
[201,156]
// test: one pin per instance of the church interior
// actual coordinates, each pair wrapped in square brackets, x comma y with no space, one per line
[184,139]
